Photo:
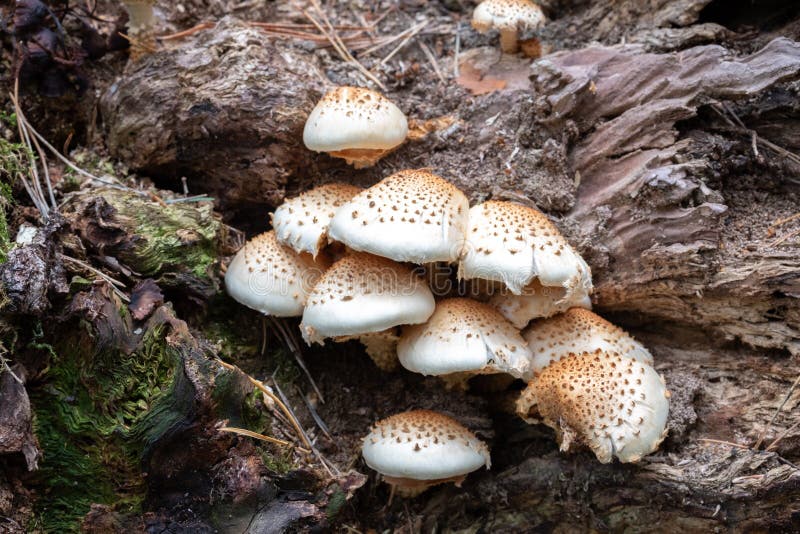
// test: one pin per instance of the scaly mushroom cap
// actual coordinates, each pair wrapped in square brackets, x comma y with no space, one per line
[514,244]
[537,301]
[423,445]
[361,294]
[615,405]
[578,330]
[507,15]
[302,222]
[272,278]
[464,335]
[356,124]
[412,216]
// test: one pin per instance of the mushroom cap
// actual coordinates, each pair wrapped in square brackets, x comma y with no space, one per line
[615,405]
[412,216]
[507,15]
[272,278]
[578,330]
[464,335]
[537,301]
[302,222]
[361,294]
[354,118]
[423,445]
[514,244]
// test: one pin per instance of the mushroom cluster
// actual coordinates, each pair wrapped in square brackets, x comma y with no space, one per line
[348,261]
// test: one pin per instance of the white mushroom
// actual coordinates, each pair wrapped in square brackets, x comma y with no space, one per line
[419,449]
[576,331]
[363,294]
[272,278]
[302,222]
[615,405]
[537,301]
[509,17]
[141,22]
[412,216]
[464,336]
[358,125]
[515,244]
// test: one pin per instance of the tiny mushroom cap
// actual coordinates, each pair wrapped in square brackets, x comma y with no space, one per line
[537,301]
[302,222]
[464,335]
[418,449]
[363,294]
[576,331]
[615,405]
[509,17]
[515,244]
[356,124]
[411,216]
[272,278]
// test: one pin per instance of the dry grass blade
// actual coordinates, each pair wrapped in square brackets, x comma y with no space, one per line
[413,33]
[777,412]
[115,284]
[722,442]
[32,186]
[783,434]
[256,435]
[289,340]
[266,391]
[785,237]
[315,415]
[432,58]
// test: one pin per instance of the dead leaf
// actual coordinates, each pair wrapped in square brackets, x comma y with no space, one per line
[473,80]
[146,297]
[418,129]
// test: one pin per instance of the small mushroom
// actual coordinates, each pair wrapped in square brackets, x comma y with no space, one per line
[359,125]
[537,301]
[576,331]
[515,244]
[272,278]
[412,216]
[366,295]
[464,336]
[416,450]
[141,22]
[615,405]
[509,17]
[302,222]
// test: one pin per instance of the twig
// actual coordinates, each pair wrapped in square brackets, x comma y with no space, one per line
[191,31]
[782,435]
[785,237]
[266,391]
[432,58]
[785,220]
[777,412]
[457,50]
[250,433]
[721,442]
[7,368]
[111,281]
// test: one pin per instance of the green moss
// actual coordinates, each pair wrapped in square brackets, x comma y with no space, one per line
[13,164]
[94,418]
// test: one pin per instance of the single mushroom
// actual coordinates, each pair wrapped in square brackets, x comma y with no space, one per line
[467,337]
[613,404]
[302,222]
[359,125]
[416,450]
[411,216]
[509,17]
[515,244]
[363,296]
[141,23]
[272,278]
[537,301]
[578,330]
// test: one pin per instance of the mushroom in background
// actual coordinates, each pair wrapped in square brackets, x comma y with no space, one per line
[509,17]
[411,216]
[537,301]
[515,244]
[466,337]
[359,125]
[302,222]
[576,331]
[271,278]
[416,450]
[363,296]
[613,404]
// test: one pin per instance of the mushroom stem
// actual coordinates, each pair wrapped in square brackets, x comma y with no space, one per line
[509,43]
[141,22]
